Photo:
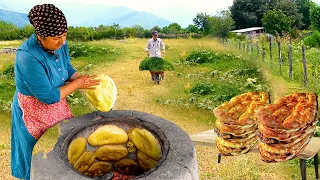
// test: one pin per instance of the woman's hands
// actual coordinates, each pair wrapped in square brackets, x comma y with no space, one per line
[87,82]
[78,81]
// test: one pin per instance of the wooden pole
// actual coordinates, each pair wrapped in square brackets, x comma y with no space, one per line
[270,48]
[304,61]
[263,51]
[279,57]
[258,49]
[290,59]
[251,44]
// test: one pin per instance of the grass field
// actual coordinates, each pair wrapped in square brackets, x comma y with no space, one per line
[171,99]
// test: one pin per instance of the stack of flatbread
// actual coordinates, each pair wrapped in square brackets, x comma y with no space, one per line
[236,123]
[286,126]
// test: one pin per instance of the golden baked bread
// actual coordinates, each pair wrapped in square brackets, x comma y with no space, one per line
[108,134]
[290,112]
[111,152]
[146,142]
[241,109]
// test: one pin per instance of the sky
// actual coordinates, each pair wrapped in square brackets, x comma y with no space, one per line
[179,11]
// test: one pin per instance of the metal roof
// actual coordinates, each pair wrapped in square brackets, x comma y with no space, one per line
[247,29]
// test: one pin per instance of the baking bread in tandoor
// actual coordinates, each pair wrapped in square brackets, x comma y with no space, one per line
[286,126]
[236,123]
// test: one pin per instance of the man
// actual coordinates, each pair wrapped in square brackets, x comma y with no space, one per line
[153,49]
[153,46]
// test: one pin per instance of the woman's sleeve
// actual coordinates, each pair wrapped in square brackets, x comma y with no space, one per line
[33,74]
[70,68]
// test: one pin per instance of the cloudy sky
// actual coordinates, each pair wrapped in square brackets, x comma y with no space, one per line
[179,11]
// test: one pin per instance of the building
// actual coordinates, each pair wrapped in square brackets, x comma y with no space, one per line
[253,31]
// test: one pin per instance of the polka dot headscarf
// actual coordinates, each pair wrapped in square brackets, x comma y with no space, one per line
[48,20]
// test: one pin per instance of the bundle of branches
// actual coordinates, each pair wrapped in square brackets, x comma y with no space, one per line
[156,64]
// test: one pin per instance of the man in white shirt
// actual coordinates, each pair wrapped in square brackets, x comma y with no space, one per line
[153,49]
[153,46]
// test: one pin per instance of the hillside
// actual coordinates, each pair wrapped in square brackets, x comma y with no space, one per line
[122,15]
[18,19]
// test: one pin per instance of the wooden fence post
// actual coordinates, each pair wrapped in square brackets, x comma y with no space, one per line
[239,45]
[290,60]
[263,51]
[258,49]
[244,47]
[251,44]
[270,48]
[304,66]
[279,57]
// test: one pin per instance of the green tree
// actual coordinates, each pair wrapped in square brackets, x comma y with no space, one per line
[139,30]
[26,31]
[130,32]
[222,23]
[174,28]
[315,17]
[202,22]
[156,28]
[277,23]
[290,8]
[248,13]
[191,29]
[304,7]
[8,31]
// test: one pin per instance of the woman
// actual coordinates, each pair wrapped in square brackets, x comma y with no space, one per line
[44,78]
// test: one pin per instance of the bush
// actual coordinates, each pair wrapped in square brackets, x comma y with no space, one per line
[202,89]
[313,40]
[200,56]
[205,56]
[8,71]
[78,50]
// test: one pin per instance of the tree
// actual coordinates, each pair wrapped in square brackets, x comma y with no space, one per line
[304,7]
[174,28]
[26,31]
[248,13]
[315,17]
[221,24]
[277,23]
[202,22]
[156,28]
[8,31]
[290,8]
[140,31]
[191,29]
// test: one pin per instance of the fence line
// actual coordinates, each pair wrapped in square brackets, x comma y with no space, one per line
[260,51]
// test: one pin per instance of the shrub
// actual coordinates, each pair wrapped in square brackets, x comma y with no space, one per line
[202,89]
[200,56]
[313,40]
[205,56]
[78,50]
[8,71]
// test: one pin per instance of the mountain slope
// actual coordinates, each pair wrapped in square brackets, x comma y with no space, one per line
[107,17]
[126,17]
[122,15]
[143,19]
[18,19]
